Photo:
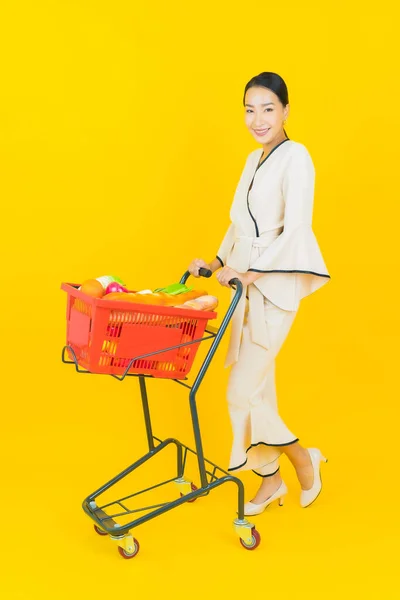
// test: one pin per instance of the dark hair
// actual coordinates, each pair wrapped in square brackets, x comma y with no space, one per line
[271,81]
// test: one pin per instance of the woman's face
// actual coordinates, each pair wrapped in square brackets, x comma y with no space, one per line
[264,114]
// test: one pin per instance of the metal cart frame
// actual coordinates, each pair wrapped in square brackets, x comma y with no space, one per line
[105,523]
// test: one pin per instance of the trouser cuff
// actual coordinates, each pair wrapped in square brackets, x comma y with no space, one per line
[263,474]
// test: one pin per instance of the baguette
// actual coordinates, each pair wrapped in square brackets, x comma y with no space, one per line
[180,299]
[137,298]
[202,303]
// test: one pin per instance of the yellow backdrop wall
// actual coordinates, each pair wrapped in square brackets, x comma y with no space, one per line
[122,139]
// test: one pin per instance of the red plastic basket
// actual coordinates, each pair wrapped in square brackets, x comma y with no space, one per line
[106,334]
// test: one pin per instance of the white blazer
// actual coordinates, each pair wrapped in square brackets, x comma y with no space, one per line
[271,232]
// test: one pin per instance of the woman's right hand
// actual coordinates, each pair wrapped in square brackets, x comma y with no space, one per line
[197,264]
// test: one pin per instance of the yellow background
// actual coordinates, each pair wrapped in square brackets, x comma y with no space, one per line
[122,141]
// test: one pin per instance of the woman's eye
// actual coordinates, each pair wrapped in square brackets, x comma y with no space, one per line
[267,109]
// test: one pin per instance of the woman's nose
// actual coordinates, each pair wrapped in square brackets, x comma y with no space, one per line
[258,122]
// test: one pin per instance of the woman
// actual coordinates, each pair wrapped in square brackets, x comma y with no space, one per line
[271,248]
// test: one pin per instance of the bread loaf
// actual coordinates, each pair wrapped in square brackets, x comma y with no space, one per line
[202,303]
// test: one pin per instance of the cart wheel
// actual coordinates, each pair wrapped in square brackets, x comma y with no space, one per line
[255,540]
[126,554]
[99,531]
[194,488]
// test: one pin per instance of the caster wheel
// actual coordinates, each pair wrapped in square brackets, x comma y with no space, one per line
[126,554]
[99,531]
[194,488]
[255,540]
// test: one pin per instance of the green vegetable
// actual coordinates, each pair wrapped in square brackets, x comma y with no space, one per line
[174,289]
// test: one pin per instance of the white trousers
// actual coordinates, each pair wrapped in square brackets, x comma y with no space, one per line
[258,430]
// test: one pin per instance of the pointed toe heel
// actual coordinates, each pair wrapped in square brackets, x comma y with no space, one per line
[307,497]
[251,509]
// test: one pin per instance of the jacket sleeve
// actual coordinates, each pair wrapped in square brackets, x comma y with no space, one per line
[295,253]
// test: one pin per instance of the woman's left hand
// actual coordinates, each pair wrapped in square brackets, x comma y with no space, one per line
[225,275]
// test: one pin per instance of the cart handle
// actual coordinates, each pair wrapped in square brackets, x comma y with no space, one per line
[235,283]
[207,273]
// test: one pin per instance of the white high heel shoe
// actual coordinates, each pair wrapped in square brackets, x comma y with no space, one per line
[255,509]
[307,497]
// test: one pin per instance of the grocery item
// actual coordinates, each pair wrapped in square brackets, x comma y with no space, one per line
[185,297]
[109,287]
[114,286]
[159,298]
[201,303]
[137,297]
[92,287]
[105,280]
[175,289]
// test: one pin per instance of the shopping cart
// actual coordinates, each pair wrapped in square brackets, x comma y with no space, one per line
[130,340]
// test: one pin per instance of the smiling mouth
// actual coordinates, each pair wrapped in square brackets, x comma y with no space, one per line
[262,131]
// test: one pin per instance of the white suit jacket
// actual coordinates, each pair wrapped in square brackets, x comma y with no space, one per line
[271,232]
